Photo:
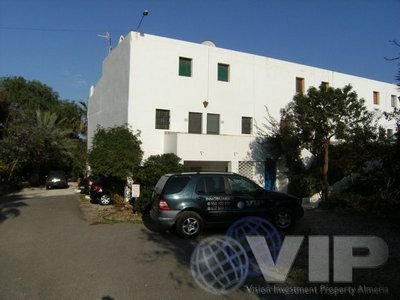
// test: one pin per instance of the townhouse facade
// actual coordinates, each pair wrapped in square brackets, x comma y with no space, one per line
[205,103]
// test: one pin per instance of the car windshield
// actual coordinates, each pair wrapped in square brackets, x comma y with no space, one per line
[56,173]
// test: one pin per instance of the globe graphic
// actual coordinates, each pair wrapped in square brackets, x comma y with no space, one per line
[255,226]
[219,265]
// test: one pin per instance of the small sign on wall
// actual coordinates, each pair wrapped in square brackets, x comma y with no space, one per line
[135,190]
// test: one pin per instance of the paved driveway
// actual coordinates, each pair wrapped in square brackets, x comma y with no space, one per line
[47,251]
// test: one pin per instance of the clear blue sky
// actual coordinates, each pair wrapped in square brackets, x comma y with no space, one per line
[56,42]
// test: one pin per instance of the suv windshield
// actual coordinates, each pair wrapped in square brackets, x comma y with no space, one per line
[240,185]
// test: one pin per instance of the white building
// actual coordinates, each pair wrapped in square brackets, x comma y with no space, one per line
[204,103]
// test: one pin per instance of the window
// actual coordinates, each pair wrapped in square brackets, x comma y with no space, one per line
[393,101]
[299,85]
[324,85]
[223,72]
[213,184]
[212,124]
[389,132]
[176,185]
[240,186]
[376,98]
[246,125]
[195,120]
[162,119]
[185,66]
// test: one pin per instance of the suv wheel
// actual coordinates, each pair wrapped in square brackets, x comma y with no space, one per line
[105,199]
[283,218]
[189,224]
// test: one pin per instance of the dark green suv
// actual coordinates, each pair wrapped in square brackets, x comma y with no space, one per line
[188,201]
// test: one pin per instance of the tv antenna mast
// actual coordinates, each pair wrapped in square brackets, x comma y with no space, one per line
[107,37]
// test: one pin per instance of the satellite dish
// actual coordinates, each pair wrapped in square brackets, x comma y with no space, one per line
[209,43]
[121,38]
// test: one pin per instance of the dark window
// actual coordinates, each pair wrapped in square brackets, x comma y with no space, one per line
[212,124]
[176,184]
[246,125]
[389,132]
[160,184]
[393,101]
[299,85]
[201,186]
[212,184]
[324,85]
[376,98]
[185,66]
[241,186]
[162,119]
[195,120]
[223,72]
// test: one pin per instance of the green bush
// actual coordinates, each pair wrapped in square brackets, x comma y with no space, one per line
[302,185]
[153,168]
[157,165]
[7,187]
[115,151]
[143,203]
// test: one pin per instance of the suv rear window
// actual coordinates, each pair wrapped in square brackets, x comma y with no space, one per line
[176,184]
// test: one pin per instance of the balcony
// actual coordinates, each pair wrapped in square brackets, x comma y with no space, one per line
[207,147]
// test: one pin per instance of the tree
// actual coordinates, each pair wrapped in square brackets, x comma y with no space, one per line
[115,151]
[38,131]
[34,140]
[396,58]
[327,113]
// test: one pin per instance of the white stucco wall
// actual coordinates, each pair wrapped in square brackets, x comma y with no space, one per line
[108,104]
[255,82]
[141,75]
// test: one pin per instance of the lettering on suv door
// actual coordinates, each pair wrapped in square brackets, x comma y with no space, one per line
[212,190]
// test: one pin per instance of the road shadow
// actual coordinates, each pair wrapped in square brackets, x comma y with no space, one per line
[170,243]
[10,206]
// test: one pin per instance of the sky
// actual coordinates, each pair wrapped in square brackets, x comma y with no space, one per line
[57,42]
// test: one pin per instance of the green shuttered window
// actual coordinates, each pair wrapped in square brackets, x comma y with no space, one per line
[185,66]
[223,72]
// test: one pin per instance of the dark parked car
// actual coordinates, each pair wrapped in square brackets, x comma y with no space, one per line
[103,189]
[86,184]
[56,179]
[188,201]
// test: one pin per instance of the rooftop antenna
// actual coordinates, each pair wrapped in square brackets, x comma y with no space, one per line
[145,13]
[107,36]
